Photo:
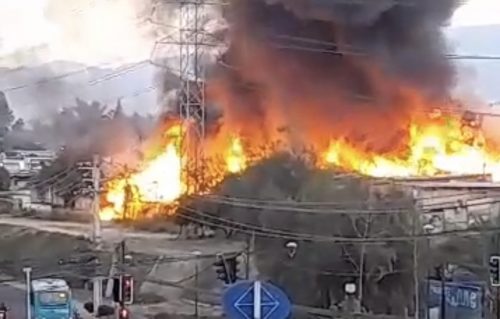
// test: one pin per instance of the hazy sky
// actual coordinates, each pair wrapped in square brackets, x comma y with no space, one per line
[477,12]
[99,41]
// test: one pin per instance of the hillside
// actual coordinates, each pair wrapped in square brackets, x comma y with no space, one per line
[44,89]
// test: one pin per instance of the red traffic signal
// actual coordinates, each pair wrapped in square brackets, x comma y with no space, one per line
[127,289]
[123,289]
[123,313]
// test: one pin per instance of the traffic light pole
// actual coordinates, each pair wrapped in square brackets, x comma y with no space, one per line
[443,292]
[196,273]
[248,251]
[97,289]
[27,272]
[497,237]
[196,282]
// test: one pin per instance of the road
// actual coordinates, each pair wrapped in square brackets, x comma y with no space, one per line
[161,244]
[15,299]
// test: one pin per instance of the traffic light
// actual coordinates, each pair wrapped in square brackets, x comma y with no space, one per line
[227,269]
[127,284]
[495,271]
[123,313]
[232,269]
[116,289]
[123,289]
[220,270]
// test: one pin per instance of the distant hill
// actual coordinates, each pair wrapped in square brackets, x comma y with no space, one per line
[481,77]
[48,87]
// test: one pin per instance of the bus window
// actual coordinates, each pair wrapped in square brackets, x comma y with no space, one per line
[53,298]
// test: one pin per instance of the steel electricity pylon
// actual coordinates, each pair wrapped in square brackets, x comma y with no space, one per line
[192,108]
[188,36]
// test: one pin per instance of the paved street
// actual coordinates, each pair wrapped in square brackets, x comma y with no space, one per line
[14,299]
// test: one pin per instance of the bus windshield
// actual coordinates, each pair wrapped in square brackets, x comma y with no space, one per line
[53,298]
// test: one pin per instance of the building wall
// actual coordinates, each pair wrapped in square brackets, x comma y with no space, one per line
[457,208]
[25,161]
[449,207]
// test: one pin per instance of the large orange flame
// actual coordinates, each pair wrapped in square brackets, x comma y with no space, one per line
[438,145]
[433,148]
[158,181]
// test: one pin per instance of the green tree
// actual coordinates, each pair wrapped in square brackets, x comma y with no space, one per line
[6,115]
[4,179]
[316,275]
[18,125]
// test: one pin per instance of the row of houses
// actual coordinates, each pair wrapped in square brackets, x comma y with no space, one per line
[26,162]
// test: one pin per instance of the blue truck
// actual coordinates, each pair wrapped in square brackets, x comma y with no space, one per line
[51,299]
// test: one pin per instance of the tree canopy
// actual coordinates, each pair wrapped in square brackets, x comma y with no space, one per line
[316,275]
[6,115]
[4,179]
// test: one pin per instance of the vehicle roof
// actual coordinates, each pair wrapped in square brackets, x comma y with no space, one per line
[49,284]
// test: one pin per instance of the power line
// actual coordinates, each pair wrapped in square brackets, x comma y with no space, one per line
[54,177]
[329,45]
[92,82]
[284,234]
[342,203]
[331,210]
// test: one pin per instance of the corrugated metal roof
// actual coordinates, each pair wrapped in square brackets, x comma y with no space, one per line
[453,184]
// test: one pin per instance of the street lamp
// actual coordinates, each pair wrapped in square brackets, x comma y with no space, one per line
[350,288]
[291,246]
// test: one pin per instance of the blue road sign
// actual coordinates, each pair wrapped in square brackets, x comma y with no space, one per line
[239,301]
[462,300]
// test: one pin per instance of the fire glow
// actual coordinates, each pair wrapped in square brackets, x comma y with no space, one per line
[433,148]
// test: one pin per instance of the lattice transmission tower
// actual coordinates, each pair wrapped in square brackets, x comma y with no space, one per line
[192,108]
[192,41]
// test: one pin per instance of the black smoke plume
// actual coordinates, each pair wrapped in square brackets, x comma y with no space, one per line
[309,71]
[325,68]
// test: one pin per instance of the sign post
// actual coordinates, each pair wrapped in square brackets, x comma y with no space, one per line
[256,300]
[27,271]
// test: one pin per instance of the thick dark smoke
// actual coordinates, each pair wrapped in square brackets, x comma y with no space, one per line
[325,68]
[404,37]
[307,71]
